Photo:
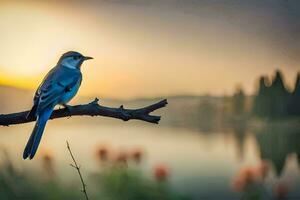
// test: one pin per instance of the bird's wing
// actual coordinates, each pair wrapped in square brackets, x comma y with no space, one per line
[44,83]
[54,86]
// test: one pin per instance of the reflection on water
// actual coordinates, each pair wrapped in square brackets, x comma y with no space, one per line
[277,145]
[201,165]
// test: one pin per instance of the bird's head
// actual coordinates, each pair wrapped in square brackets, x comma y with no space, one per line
[72,59]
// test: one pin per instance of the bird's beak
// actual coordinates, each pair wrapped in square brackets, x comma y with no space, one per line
[88,58]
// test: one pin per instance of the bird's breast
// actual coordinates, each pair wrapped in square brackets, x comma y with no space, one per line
[69,94]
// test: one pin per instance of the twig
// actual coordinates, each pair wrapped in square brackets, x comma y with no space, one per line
[91,109]
[78,170]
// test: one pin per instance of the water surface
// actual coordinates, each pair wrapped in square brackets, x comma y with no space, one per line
[202,165]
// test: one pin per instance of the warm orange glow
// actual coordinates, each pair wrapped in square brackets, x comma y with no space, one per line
[21,82]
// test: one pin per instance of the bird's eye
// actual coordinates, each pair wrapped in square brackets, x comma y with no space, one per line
[76,57]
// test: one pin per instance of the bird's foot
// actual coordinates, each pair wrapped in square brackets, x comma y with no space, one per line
[68,108]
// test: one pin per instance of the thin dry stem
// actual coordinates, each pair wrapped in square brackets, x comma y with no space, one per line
[76,166]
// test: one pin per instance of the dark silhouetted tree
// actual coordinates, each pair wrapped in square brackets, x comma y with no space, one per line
[279,97]
[294,102]
[272,101]
[261,105]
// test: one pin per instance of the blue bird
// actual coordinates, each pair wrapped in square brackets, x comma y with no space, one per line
[58,87]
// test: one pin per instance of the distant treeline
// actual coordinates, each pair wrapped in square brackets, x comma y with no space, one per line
[274,100]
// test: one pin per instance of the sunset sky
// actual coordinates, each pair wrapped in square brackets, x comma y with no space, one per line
[152,48]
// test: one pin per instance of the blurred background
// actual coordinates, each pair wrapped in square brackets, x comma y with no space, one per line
[229,69]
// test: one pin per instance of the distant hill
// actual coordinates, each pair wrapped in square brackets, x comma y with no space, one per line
[181,110]
[13,99]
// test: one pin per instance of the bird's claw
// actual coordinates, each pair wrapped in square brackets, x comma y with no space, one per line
[68,108]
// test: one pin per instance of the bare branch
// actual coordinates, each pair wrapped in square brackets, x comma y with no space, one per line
[79,173]
[91,109]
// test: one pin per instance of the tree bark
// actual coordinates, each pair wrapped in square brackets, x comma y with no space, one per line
[91,109]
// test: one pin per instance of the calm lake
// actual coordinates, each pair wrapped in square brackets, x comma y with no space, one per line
[202,165]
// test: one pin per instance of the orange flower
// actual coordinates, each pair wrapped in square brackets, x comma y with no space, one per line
[245,177]
[263,169]
[249,174]
[47,158]
[137,155]
[102,153]
[48,163]
[161,172]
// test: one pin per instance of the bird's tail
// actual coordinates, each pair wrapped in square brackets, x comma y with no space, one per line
[36,135]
